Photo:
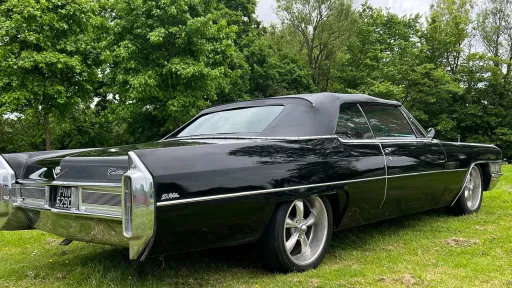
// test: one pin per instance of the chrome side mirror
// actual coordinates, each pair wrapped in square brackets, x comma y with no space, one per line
[431,133]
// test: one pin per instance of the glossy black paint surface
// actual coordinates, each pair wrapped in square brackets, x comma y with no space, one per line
[83,165]
[413,190]
[365,181]
[257,166]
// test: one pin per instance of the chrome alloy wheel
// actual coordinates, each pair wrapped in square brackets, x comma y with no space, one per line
[473,189]
[305,230]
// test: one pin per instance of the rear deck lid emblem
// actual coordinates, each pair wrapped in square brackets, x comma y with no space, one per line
[57,172]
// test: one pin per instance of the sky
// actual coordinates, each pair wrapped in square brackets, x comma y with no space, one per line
[266,8]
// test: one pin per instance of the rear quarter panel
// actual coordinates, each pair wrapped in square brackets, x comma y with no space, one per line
[199,172]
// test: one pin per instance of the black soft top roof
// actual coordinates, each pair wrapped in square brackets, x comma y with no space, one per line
[303,115]
[333,99]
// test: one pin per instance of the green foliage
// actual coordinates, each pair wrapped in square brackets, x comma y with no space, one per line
[49,58]
[88,73]
[322,28]
[171,59]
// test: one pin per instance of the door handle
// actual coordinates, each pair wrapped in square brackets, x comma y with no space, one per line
[388,150]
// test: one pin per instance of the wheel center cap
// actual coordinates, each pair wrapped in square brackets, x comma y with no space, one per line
[303,228]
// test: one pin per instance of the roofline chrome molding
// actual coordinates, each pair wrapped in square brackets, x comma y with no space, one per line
[257,192]
[467,176]
[291,97]
[138,207]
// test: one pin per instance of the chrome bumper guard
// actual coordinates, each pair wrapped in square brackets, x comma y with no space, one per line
[98,216]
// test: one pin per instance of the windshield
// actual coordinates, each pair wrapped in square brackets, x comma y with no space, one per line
[247,120]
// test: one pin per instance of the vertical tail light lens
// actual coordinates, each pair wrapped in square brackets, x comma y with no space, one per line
[127,206]
[7,178]
[138,206]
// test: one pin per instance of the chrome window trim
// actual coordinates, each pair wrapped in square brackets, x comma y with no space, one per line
[367,123]
[257,192]
[362,141]
[400,108]
[406,120]
[404,140]
[409,115]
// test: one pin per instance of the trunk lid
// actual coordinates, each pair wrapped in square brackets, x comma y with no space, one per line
[103,165]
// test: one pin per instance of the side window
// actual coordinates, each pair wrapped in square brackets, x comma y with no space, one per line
[415,125]
[388,122]
[352,124]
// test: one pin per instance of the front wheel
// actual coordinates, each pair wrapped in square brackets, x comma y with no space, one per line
[298,235]
[470,199]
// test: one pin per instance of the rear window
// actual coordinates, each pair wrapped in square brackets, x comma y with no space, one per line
[246,120]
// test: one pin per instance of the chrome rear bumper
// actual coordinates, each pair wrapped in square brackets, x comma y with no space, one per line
[99,229]
[99,225]
[495,179]
[102,213]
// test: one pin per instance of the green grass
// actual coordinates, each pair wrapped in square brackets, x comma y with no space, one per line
[427,249]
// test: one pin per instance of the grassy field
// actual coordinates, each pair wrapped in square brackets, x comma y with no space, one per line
[428,249]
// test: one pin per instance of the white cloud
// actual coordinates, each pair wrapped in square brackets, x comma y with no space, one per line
[266,8]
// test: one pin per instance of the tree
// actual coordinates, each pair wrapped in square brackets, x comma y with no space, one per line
[447,30]
[323,27]
[495,31]
[275,70]
[49,57]
[171,59]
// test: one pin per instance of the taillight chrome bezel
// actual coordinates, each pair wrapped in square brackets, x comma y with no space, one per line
[7,179]
[138,205]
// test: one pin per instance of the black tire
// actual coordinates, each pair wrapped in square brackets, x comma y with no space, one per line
[274,253]
[461,206]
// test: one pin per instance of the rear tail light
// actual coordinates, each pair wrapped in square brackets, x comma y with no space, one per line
[7,180]
[138,201]
[127,203]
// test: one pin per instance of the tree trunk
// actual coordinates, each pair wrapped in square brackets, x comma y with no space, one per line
[46,127]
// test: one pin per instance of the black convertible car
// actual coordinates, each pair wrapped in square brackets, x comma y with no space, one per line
[284,172]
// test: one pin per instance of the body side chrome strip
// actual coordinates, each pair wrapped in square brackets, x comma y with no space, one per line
[200,199]
[250,193]
[427,172]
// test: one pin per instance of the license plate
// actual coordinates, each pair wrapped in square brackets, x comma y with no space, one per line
[63,197]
